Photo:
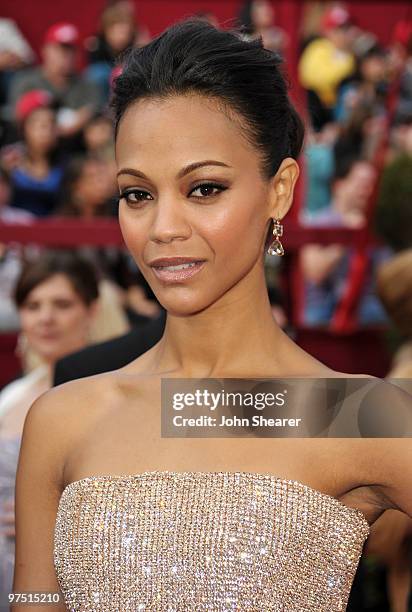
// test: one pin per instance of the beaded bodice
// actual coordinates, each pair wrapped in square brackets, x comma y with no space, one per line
[204,541]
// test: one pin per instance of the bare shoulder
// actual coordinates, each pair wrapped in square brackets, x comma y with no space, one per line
[378,458]
[65,403]
[61,413]
[51,427]
[385,423]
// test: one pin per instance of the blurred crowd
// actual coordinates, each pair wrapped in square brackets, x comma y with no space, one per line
[56,142]
[359,105]
[57,160]
[56,155]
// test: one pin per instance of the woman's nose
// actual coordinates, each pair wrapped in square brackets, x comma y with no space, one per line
[170,222]
[46,313]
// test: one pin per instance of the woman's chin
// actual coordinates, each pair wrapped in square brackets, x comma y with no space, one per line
[183,308]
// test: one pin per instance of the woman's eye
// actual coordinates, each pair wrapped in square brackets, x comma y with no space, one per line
[207,190]
[64,305]
[135,196]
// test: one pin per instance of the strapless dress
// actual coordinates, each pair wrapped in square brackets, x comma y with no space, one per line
[169,541]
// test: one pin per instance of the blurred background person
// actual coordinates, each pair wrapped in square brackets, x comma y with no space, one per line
[319,159]
[139,301]
[77,97]
[325,268]
[87,193]
[57,299]
[35,163]
[11,255]
[15,54]
[118,32]
[15,51]
[360,134]
[98,138]
[352,186]
[87,188]
[393,217]
[400,137]
[325,62]
[394,287]
[8,213]
[367,86]
[400,56]
[257,18]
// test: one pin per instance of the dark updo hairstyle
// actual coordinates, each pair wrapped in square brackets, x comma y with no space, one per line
[195,57]
[80,272]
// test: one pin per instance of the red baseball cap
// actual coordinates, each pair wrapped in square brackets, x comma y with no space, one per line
[30,101]
[63,33]
[402,32]
[335,17]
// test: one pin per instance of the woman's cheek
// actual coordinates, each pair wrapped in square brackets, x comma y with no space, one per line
[131,234]
[70,322]
[27,322]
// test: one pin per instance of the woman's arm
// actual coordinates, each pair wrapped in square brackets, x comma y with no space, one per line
[39,484]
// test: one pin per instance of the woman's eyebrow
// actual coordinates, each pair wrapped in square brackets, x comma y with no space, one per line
[181,173]
[196,165]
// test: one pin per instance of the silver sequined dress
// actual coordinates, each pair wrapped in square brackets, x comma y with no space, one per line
[204,541]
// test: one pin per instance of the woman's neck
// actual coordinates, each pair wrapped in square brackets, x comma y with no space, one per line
[234,337]
[37,163]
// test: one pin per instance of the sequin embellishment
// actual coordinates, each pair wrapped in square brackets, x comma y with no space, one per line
[165,541]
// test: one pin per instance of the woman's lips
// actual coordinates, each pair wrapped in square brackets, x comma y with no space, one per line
[178,275]
[48,336]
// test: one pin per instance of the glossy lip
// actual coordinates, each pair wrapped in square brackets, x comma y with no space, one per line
[48,337]
[173,261]
[173,276]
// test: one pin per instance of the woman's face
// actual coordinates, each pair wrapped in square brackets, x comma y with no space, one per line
[191,187]
[40,130]
[93,187]
[54,318]
[120,34]
[98,134]
[374,69]
[262,13]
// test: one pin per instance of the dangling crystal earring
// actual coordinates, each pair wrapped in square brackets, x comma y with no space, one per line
[276,247]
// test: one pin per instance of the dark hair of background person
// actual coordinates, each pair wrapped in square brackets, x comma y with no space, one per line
[245,21]
[81,273]
[350,142]
[344,165]
[5,175]
[375,50]
[72,173]
[394,288]
[393,214]
[194,57]
[55,155]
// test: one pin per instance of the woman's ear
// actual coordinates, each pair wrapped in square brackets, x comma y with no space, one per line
[282,188]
